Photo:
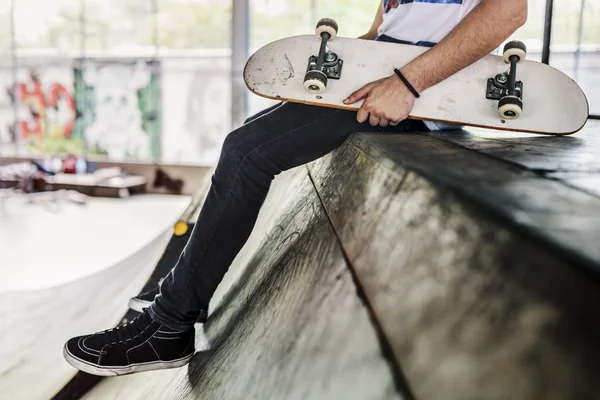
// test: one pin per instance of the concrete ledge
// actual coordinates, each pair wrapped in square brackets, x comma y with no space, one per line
[476,291]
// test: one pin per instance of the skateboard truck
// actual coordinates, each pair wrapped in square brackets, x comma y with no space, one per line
[505,87]
[326,65]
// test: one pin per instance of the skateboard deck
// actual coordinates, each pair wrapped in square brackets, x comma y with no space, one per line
[552,102]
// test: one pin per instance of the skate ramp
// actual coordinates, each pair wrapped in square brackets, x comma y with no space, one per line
[45,306]
[403,266]
[50,243]
[36,324]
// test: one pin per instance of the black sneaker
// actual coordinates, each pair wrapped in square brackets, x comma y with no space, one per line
[143,300]
[139,345]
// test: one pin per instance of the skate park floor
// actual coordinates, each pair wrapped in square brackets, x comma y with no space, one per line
[67,268]
[45,244]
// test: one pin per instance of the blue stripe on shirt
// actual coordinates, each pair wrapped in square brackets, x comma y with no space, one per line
[432,1]
[425,43]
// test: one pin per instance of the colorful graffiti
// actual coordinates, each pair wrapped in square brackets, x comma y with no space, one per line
[119,105]
[172,110]
[50,113]
[102,108]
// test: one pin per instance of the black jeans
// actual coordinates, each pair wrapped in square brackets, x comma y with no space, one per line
[280,138]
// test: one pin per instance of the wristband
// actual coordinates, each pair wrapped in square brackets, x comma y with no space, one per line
[408,85]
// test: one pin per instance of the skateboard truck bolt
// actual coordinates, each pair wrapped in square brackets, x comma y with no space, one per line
[498,87]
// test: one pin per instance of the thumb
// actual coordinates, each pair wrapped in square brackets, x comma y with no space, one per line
[359,94]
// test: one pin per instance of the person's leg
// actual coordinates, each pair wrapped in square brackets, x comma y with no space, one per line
[262,112]
[143,300]
[288,136]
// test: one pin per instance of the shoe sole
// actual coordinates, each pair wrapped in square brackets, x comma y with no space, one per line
[138,305]
[93,369]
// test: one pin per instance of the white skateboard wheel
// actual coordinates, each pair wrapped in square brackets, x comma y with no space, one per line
[327,25]
[510,107]
[514,48]
[315,82]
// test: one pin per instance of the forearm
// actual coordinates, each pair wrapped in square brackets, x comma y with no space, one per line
[479,33]
[373,32]
[368,36]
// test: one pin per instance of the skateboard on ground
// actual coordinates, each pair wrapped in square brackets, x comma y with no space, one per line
[499,92]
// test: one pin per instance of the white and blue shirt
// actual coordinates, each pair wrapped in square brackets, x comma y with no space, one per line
[423,23]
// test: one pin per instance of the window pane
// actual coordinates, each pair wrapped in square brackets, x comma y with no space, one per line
[196,108]
[532,33]
[271,20]
[194,24]
[578,56]
[6,109]
[5,27]
[194,40]
[354,17]
[52,25]
[119,27]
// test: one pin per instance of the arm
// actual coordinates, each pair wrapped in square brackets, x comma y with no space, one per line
[373,32]
[388,101]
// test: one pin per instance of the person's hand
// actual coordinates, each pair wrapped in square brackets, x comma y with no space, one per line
[387,102]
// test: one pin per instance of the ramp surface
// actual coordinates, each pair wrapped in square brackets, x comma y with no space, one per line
[291,328]
[35,325]
[398,267]
[51,243]
[37,319]
[482,273]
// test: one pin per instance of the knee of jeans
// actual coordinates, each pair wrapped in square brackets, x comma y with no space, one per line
[238,152]
[233,153]
[233,147]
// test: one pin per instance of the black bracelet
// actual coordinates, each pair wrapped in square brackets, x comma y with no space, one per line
[408,85]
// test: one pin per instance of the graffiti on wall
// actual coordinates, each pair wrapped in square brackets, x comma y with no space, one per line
[119,105]
[48,112]
[174,110]
[105,108]
[44,108]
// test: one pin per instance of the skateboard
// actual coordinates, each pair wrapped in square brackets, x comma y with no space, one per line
[504,92]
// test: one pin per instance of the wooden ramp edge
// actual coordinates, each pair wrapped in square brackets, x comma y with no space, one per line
[460,256]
